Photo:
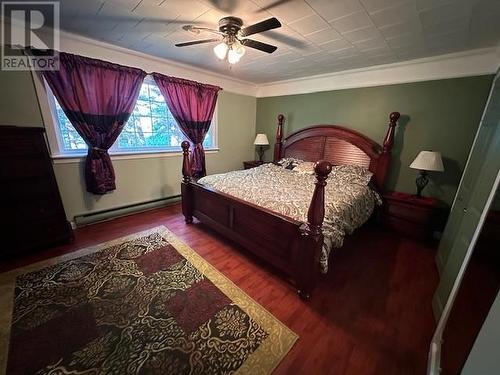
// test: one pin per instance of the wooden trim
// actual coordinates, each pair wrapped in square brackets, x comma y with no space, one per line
[279,138]
[469,63]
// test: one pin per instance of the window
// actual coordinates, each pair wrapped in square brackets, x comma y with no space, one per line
[150,128]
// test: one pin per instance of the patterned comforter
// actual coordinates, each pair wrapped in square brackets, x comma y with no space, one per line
[348,204]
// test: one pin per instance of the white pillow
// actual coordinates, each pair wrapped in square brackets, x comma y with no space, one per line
[351,173]
[306,167]
[289,163]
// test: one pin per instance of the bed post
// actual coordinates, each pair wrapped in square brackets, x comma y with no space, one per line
[312,234]
[278,146]
[187,208]
[385,156]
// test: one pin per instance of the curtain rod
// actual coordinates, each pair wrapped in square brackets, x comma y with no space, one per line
[31,51]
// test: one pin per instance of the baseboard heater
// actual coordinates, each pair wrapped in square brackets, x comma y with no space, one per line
[103,215]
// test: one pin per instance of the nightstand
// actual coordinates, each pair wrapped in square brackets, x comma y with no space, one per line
[410,215]
[252,164]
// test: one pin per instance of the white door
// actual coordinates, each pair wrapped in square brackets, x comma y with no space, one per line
[475,193]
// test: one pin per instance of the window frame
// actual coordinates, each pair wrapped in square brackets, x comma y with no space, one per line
[56,145]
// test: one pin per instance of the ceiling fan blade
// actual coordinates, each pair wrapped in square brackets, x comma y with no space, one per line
[272,5]
[264,47]
[196,30]
[269,24]
[227,6]
[126,19]
[185,44]
[285,39]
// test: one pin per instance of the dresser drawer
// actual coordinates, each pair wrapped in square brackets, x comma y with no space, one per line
[30,189]
[410,213]
[26,236]
[16,168]
[18,145]
[35,210]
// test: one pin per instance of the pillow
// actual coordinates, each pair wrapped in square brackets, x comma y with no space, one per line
[289,163]
[351,173]
[306,167]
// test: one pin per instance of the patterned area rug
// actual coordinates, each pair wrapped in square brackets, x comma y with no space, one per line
[142,304]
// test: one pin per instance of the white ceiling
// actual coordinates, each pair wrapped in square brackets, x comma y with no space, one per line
[318,36]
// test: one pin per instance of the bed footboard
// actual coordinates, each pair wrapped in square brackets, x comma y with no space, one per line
[292,246]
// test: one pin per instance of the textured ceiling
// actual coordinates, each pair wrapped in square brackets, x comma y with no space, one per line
[318,36]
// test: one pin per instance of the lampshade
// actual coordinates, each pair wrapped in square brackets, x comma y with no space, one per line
[220,50]
[261,140]
[428,161]
[232,57]
[236,51]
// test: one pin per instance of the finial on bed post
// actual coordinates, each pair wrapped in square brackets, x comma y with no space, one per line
[186,168]
[316,211]
[385,156]
[389,136]
[279,138]
[308,259]
[186,187]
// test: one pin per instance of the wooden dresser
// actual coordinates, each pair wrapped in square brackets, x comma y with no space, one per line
[409,215]
[32,212]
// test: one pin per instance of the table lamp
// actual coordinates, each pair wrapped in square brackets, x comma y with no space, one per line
[426,161]
[261,141]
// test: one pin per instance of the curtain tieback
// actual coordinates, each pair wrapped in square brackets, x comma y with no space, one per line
[98,149]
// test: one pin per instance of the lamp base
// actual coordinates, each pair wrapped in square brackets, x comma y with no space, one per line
[421,181]
[260,152]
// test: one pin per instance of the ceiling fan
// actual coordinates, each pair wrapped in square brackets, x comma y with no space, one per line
[232,37]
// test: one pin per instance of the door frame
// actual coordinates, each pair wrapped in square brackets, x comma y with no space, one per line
[434,358]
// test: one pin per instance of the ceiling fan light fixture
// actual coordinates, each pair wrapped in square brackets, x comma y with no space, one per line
[238,48]
[231,47]
[236,51]
[221,50]
[233,57]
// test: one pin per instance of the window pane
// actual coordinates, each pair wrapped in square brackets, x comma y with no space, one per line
[144,93]
[70,138]
[153,123]
[159,109]
[208,142]
[150,127]
[155,93]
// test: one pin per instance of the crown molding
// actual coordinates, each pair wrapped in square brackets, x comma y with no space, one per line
[453,65]
[80,45]
[77,44]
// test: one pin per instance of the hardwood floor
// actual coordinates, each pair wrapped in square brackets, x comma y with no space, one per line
[371,314]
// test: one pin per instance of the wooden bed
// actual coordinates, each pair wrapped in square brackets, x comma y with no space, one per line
[292,246]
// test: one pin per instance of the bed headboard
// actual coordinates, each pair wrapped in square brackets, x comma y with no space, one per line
[339,146]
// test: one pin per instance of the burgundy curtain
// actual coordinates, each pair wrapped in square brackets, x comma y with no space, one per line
[192,104]
[98,98]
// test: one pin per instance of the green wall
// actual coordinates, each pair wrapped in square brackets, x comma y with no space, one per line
[440,115]
[138,180]
[18,103]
